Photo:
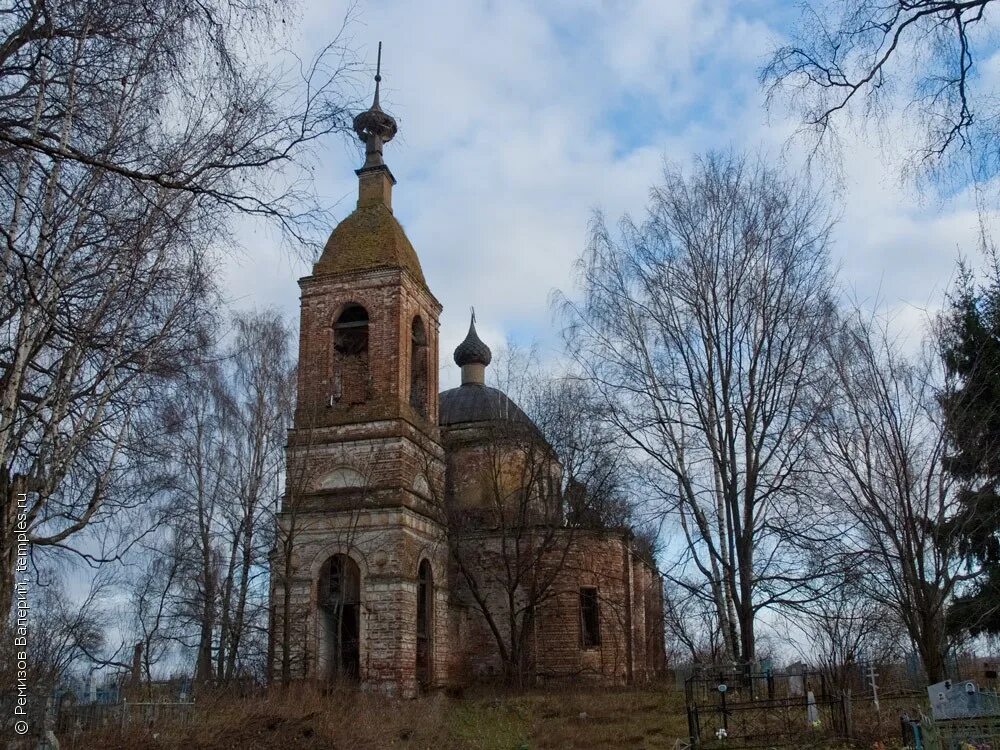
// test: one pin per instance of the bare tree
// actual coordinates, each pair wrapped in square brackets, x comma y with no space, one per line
[149,611]
[222,445]
[286,624]
[510,548]
[848,628]
[131,136]
[63,634]
[261,395]
[884,441]
[692,629]
[702,329]
[195,445]
[168,97]
[870,58]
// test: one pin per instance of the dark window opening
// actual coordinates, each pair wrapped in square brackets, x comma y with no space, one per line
[339,599]
[350,356]
[418,367]
[590,621]
[425,622]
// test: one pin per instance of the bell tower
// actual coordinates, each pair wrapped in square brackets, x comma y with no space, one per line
[361,536]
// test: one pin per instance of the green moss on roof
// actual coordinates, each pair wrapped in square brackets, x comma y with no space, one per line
[368,239]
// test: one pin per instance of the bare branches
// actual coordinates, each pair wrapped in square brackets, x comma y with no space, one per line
[847,628]
[872,57]
[223,448]
[131,136]
[166,95]
[536,505]
[884,439]
[701,329]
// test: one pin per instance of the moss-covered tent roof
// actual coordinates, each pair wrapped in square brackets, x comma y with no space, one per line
[368,239]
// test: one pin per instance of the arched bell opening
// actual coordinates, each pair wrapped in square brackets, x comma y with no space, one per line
[418,366]
[350,356]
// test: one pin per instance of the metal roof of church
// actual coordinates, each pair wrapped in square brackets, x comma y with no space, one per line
[474,402]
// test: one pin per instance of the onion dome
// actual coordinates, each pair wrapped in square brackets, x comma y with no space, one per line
[475,404]
[472,351]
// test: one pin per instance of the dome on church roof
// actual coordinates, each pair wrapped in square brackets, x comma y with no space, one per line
[472,351]
[472,402]
[368,239]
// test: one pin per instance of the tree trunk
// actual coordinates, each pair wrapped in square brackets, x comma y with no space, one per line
[286,605]
[203,666]
[930,646]
[11,490]
[236,628]
[748,640]
[226,624]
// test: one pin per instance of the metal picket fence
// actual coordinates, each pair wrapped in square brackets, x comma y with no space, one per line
[745,709]
[89,716]
[959,734]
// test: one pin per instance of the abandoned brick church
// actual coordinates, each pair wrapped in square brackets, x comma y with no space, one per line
[388,567]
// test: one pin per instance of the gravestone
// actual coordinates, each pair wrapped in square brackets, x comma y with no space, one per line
[961,700]
[812,713]
[796,680]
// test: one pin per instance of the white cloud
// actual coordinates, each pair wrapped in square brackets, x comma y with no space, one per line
[517,119]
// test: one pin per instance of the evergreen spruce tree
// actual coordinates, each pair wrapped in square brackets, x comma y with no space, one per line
[971,349]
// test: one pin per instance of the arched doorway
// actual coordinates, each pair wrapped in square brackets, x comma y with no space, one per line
[425,623]
[340,618]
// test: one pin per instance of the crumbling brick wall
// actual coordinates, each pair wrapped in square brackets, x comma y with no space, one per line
[630,623]
[387,546]
[384,508]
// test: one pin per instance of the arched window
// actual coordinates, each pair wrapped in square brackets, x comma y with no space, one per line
[425,622]
[418,366]
[339,601]
[350,356]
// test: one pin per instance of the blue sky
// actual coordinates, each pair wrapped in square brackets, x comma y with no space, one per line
[519,119]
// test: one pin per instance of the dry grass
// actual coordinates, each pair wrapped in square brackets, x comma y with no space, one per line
[307,719]
[647,719]
[581,718]
[346,718]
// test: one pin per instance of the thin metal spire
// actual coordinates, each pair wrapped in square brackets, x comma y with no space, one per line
[378,76]
[373,126]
